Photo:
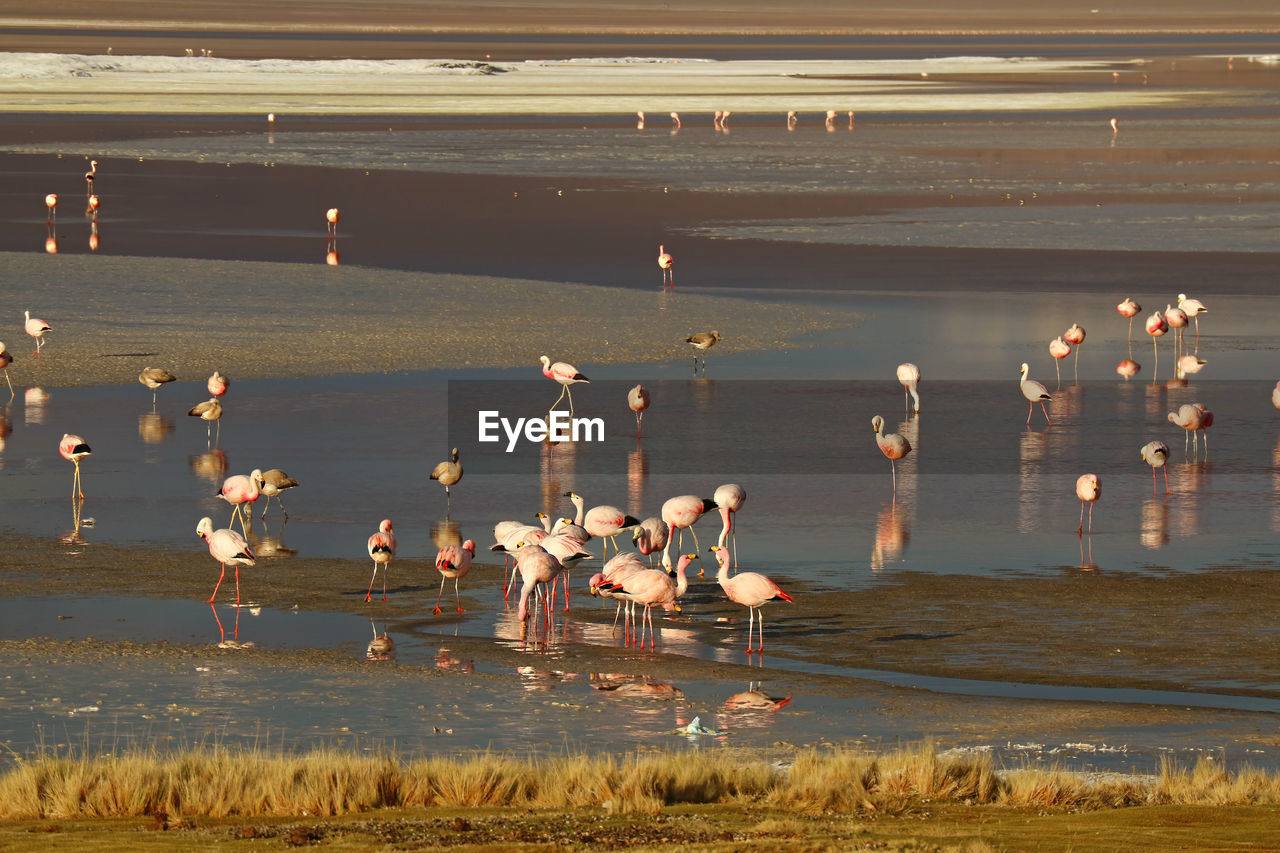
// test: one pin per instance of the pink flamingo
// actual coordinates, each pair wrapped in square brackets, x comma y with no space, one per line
[1193,309]
[1275,394]
[791,119]
[750,589]
[238,491]
[448,473]
[1188,365]
[1157,325]
[1115,123]
[36,329]
[1194,418]
[909,376]
[51,202]
[665,263]
[1129,309]
[616,570]
[892,445]
[653,586]
[1177,320]
[1155,454]
[638,401]
[93,204]
[564,373]
[1059,349]
[729,499]
[536,566]
[1128,368]
[569,551]
[454,561]
[603,522]
[651,535]
[382,549]
[89,176]
[332,216]
[675,120]
[225,546]
[1035,393]
[1088,490]
[680,513]
[218,384]
[73,449]
[639,120]
[1075,337]
[5,360]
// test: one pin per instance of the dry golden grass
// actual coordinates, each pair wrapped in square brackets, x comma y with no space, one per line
[220,782]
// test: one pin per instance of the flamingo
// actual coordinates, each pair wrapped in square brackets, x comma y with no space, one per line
[1193,309]
[831,119]
[51,202]
[729,499]
[36,329]
[536,566]
[239,490]
[1115,123]
[454,561]
[564,373]
[750,589]
[638,401]
[218,384]
[1128,368]
[1059,349]
[225,546]
[650,535]
[91,209]
[602,522]
[273,483]
[1275,392]
[1157,325]
[1075,337]
[1034,392]
[665,262]
[382,549]
[448,473]
[892,445]
[1129,309]
[73,449]
[791,119]
[1155,454]
[5,360]
[650,587]
[1088,490]
[332,216]
[702,342]
[208,411]
[675,120]
[1177,319]
[153,378]
[572,528]
[679,513]
[620,567]
[1189,364]
[1192,418]
[909,376]
[639,119]
[89,176]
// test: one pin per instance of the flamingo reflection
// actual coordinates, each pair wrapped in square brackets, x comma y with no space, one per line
[267,545]
[210,466]
[153,427]
[234,642]
[1154,533]
[892,536]
[381,647]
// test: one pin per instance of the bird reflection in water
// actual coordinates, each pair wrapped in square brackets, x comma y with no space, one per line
[540,680]
[637,473]
[445,533]
[77,521]
[643,686]
[94,239]
[381,647]
[234,642]
[153,428]
[1087,563]
[268,545]
[752,708]
[446,659]
[34,401]
[892,535]
[6,429]
[210,466]
[1155,524]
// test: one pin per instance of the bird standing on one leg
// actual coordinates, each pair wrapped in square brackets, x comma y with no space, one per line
[448,473]
[73,449]
[892,445]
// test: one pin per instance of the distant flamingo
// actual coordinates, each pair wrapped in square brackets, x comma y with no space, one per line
[639,120]
[89,176]
[1128,368]
[1155,454]
[1088,490]
[665,262]
[382,550]
[791,119]
[36,329]
[1193,309]
[680,513]
[702,342]
[225,546]
[675,120]
[1129,309]
[909,376]
[1115,123]
[1035,393]
[239,490]
[1275,394]
[448,473]
[1177,320]
[454,561]
[73,449]
[51,202]
[218,384]
[332,217]
[208,411]
[153,378]
[92,205]
[1157,325]
[729,499]
[750,589]
[831,119]
[1059,349]
[1192,418]
[5,360]
[1075,337]
[892,445]
[564,373]
[638,401]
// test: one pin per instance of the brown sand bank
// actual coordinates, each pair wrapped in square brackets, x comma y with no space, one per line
[111,317]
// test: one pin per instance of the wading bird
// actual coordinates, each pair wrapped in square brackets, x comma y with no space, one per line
[332,216]
[1155,454]
[1075,337]
[51,202]
[1088,490]
[680,513]
[638,401]
[1129,309]
[1059,349]
[448,473]
[5,360]
[750,589]
[729,499]
[382,549]
[73,449]
[273,483]
[1193,308]
[454,561]
[602,522]
[153,378]
[702,342]
[564,373]
[239,490]
[208,411]
[36,328]
[225,546]
[1157,325]
[665,263]
[1035,393]
[1194,418]
[218,384]
[909,376]
[892,445]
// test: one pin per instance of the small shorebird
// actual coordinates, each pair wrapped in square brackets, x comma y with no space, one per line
[702,341]
[564,373]
[909,376]
[272,483]
[73,449]
[638,401]
[153,378]
[225,546]
[36,329]
[448,473]
[892,445]
[1035,393]
[382,549]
